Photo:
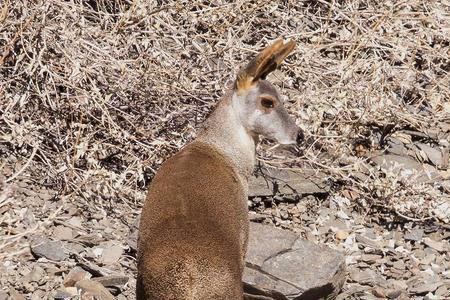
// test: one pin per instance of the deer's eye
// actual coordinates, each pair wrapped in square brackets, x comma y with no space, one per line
[267,102]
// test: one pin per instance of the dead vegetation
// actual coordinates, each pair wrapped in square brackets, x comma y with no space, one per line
[95,95]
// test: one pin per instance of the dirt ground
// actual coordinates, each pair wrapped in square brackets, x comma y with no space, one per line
[95,95]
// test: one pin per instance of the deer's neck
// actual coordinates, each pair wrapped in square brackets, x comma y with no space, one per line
[224,131]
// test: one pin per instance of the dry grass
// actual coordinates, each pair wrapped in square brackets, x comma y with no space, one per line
[96,94]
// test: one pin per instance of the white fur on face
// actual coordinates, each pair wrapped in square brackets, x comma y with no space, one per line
[275,123]
[274,126]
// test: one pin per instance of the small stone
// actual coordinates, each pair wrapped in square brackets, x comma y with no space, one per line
[94,290]
[428,259]
[52,270]
[367,242]
[379,292]
[441,291]
[370,258]
[76,221]
[394,294]
[252,216]
[436,268]
[98,216]
[29,220]
[284,214]
[38,295]
[367,276]
[52,250]
[390,244]
[28,287]
[425,288]
[72,211]
[45,195]
[36,275]
[75,275]
[442,211]
[111,281]
[397,285]
[75,247]
[62,233]
[15,295]
[66,293]
[341,235]
[433,154]
[111,255]
[399,265]
[414,235]
[438,246]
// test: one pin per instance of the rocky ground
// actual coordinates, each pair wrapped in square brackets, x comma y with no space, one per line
[95,95]
[387,256]
[52,244]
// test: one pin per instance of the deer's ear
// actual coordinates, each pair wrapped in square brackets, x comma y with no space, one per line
[264,63]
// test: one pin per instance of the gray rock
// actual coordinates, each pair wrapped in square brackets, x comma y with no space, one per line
[379,292]
[366,277]
[3,295]
[267,241]
[37,274]
[52,250]
[63,233]
[434,155]
[94,290]
[133,234]
[441,291]
[75,275]
[394,294]
[111,255]
[272,181]
[414,235]
[397,147]
[425,288]
[438,246]
[15,295]
[66,293]
[354,289]
[110,281]
[366,242]
[258,283]
[279,262]
[406,166]
[74,247]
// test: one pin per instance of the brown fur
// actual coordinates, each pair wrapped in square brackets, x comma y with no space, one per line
[194,226]
[193,229]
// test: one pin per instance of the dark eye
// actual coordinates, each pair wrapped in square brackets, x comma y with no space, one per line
[267,103]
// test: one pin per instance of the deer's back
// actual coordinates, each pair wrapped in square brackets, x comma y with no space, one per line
[193,229]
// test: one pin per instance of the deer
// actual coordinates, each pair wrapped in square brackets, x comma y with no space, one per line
[194,224]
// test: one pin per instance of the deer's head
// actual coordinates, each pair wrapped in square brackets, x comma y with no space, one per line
[257,101]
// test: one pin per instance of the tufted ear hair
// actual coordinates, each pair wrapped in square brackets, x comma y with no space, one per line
[264,63]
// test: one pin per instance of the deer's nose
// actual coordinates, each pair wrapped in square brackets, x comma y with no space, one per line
[300,136]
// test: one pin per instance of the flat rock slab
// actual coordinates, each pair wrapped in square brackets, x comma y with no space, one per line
[414,235]
[280,265]
[93,290]
[406,166]
[271,181]
[52,250]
